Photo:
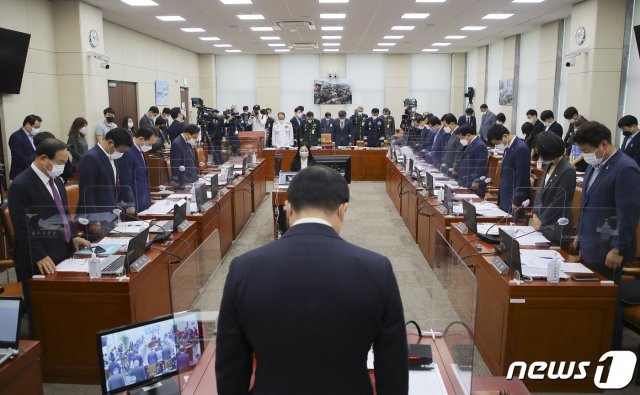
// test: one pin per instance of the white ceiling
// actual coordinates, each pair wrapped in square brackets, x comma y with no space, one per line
[367,22]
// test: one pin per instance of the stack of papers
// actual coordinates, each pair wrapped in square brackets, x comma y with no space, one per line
[178,196]
[525,235]
[466,196]
[487,209]
[161,207]
[73,265]
[132,227]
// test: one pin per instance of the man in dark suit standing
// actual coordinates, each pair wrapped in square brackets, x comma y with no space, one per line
[487,121]
[309,131]
[98,180]
[134,175]
[326,124]
[183,159]
[538,127]
[279,300]
[609,211]
[358,120]
[38,192]
[473,161]
[453,149]
[296,122]
[23,151]
[550,124]
[630,145]
[148,120]
[468,119]
[572,116]
[178,125]
[342,128]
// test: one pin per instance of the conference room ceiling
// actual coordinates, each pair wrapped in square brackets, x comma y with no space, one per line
[366,24]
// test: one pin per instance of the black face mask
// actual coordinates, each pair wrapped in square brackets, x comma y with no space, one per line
[109,119]
[626,134]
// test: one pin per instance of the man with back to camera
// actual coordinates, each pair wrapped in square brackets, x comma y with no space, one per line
[148,120]
[282,303]
[23,150]
[487,121]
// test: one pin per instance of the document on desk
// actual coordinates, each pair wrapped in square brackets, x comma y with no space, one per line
[130,227]
[193,207]
[539,258]
[487,209]
[575,267]
[74,265]
[429,382]
[525,235]
[466,196]
[488,228]
[178,196]
[162,207]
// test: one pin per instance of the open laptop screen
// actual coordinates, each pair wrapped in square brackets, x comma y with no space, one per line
[10,322]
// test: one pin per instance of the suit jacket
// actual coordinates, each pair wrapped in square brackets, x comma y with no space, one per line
[295,163]
[374,131]
[613,196]
[146,122]
[487,121]
[538,128]
[97,185]
[452,153]
[515,175]
[463,121]
[326,125]
[633,149]
[473,163]
[182,155]
[359,123]
[439,148]
[134,182]
[176,129]
[310,133]
[342,136]
[296,123]
[280,302]
[556,128]
[22,153]
[554,200]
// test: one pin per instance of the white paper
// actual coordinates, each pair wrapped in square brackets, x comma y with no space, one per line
[161,207]
[538,272]
[539,258]
[130,227]
[483,228]
[177,196]
[370,359]
[123,241]
[575,267]
[193,208]
[423,382]
[466,196]
[74,265]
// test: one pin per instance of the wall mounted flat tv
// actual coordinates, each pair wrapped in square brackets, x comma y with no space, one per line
[13,56]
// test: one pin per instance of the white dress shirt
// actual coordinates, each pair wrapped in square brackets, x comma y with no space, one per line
[113,163]
[45,180]
[311,220]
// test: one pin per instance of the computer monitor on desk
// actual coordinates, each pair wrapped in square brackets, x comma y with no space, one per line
[448,198]
[429,185]
[341,163]
[510,251]
[202,201]
[469,214]
[214,186]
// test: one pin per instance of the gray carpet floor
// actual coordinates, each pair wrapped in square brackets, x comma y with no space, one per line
[372,222]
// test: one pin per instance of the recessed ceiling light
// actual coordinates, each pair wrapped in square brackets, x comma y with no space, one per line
[330,44]
[140,3]
[333,16]
[440,44]
[192,29]
[430,50]
[331,37]
[430,1]
[381,50]
[497,16]
[331,50]
[455,37]
[276,45]
[233,50]
[209,38]
[403,28]
[270,38]
[393,37]
[262,28]
[170,18]
[386,44]
[250,17]
[528,1]
[222,45]
[231,2]
[331,28]
[281,50]
[474,28]
[415,15]
[333,1]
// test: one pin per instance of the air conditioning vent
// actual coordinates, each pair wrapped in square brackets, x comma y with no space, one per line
[294,25]
[303,46]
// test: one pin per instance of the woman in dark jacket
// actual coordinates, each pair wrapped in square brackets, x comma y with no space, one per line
[303,158]
[76,141]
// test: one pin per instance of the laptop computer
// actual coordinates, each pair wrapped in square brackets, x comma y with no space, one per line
[169,226]
[202,201]
[11,313]
[469,214]
[134,257]
[448,197]
[214,186]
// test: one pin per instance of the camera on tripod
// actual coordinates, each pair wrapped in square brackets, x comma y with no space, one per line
[205,114]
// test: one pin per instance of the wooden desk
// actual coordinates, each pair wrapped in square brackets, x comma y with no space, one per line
[539,321]
[69,308]
[23,374]
[241,203]
[366,165]
[259,184]
[394,177]
[278,198]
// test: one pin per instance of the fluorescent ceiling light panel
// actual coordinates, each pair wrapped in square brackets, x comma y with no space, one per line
[209,38]
[415,15]
[276,45]
[331,50]
[333,1]
[170,18]
[140,3]
[332,28]
[192,29]
[393,37]
[330,44]
[455,37]
[331,37]
[262,28]
[497,16]
[270,38]
[474,28]
[222,45]
[430,50]
[333,16]
[403,28]
[430,1]
[251,17]
[381,50]
[233,50]
[440,44]
[232,2]
[386,44]
[528,1]
[281,50]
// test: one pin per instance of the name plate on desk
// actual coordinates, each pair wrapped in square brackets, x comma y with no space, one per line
[184,225]
[206,206]
[499,265]
[442,210]
[462,228]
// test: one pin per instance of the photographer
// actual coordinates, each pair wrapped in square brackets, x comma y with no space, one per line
[244,119]
[215,131]
[258,119]
[233,125]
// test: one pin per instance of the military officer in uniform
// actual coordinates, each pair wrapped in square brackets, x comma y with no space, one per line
[389,124]
[310,131]
[374,129]
[326,123]
[282,132]
[358,119]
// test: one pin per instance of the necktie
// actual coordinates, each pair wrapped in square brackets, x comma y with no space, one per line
[625,142]
[63,214]
[468,121]
[341,124]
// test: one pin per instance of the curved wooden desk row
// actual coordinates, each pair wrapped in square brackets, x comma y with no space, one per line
[69,308]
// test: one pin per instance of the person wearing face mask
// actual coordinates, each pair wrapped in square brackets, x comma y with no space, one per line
[268,127]
[76,140]
[69,169]
[296,121]
[554,198]
[98,176]
[23,151]
[39,191]
[178,125]
[183,157]
[473,161]
[630,144]
[468,118]
[326,124]
[163,140]
[282,132]
[550,124]
[148,120]
[527,131]
[389,124]
[538,127]
[342,129]
[132,167]
[358,120]
[440,141]
[571,115]
[609,196]
[453,149]
[303,159]
[575,155]
[515,170]
[425,139]
[215,132]
[487,121]
[166,115]
[103,127]
[501,119]
[127,123]
[309,131]
[374,129]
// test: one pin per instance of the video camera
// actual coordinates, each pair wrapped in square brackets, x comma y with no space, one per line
[205,114]
[471,93]
[408,118]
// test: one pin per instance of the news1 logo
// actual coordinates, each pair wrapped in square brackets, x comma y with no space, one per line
[621,367]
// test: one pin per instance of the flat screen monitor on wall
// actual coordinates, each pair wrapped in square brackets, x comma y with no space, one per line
[13,56]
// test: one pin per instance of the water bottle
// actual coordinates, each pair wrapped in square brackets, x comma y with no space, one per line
[553,270]
[94,267]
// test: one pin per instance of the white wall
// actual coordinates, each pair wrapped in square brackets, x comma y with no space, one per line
[236,81]
[472,69]
[528,83]
[431,84]
[494,75]
[632,97]
[296,83]
[368,74]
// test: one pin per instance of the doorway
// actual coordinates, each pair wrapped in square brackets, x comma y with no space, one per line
[123,98]
[184,103]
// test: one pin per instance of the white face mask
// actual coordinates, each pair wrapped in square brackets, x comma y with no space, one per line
[146,148]
[447,129]
[546,124]
[592,159]
[116,155]
[571,121]
[56,171]
[499,123]
[304,155]
[130,124]
[83,130]
[464,142]
[531,121]
[500,147]
[281,121]
[35,131]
